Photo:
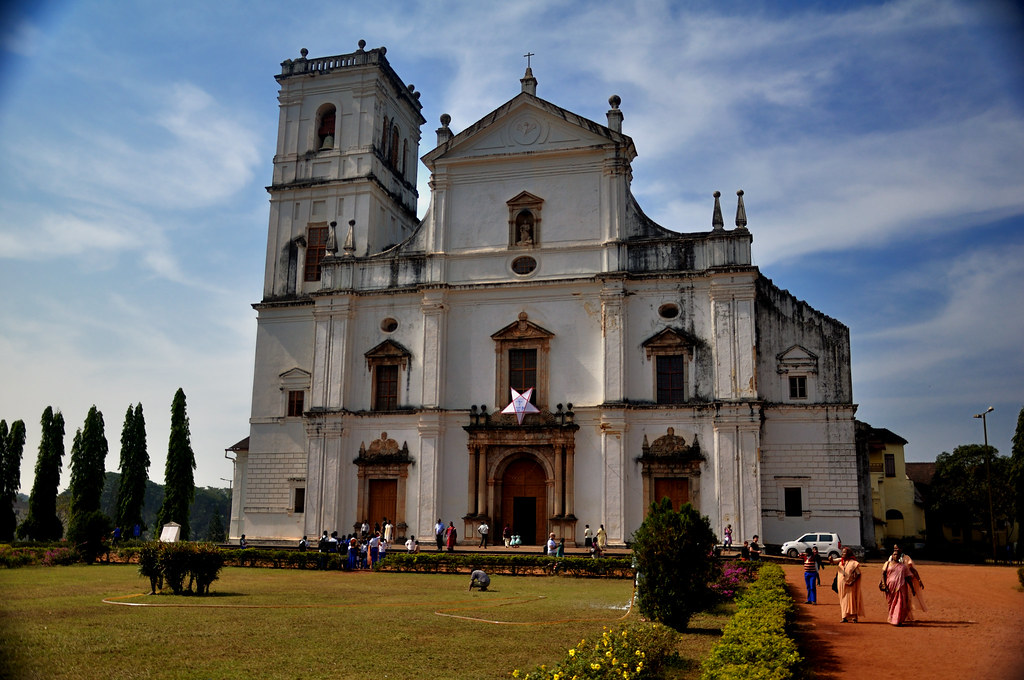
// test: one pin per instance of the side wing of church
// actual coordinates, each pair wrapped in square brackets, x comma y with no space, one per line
[662,363]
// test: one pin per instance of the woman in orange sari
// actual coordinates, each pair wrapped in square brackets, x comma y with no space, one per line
[851,604]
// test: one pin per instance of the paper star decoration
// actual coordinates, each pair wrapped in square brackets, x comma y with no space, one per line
[521,404]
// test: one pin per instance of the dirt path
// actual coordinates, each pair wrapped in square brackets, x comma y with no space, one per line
[974,627]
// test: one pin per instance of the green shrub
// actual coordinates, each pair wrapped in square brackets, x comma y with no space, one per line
[88,532]
[636,650]
[11,558]
[175,562]
[207,561]
[672,552]
[505,564]
[757,642]
[149,566]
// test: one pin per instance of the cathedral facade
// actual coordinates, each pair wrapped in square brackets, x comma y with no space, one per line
[662,363]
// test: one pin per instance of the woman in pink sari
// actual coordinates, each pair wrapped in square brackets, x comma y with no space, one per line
[901,582]
[851,604]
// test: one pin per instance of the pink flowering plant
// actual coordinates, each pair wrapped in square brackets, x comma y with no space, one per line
[631,652]
[733,578]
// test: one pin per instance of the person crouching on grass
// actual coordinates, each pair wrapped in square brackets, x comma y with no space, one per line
[480,579]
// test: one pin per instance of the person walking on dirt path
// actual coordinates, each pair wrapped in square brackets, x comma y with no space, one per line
[811,577]
[439,534]
[898,578]
[848,580]
[484,529]
[480,579]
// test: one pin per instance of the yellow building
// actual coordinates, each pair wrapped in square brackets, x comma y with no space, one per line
[896,505]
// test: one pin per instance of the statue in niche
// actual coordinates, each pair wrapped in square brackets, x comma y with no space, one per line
[524,228]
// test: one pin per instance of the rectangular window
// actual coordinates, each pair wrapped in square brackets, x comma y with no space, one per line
[386,388]
[316,249]
[890,465]
[522,371]
[296,399]
[794,501]
[671,379]
[300,499]
[798,387]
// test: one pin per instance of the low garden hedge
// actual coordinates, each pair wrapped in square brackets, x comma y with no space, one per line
[758,643]
[508,565]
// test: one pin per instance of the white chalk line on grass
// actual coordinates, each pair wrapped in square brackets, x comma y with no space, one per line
[440,612]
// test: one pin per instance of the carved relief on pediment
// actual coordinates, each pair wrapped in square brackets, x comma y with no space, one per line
[672,447]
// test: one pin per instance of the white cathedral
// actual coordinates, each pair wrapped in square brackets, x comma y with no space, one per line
[663,363]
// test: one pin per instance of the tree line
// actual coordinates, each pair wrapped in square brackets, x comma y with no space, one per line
[89,519]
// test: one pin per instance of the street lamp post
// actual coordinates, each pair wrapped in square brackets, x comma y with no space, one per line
[988,474]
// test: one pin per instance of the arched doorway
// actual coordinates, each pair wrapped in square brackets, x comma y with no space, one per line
[523,500]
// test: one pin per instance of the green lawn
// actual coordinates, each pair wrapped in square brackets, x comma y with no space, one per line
[270,623]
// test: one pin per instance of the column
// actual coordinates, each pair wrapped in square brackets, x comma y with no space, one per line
[613,427]
[430,481]
[481,482]
[613,325]
[434,308]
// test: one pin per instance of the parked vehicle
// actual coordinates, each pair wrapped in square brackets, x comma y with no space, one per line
[827,543]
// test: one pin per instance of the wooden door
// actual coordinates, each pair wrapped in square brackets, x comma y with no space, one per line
[383,501]
[676,489]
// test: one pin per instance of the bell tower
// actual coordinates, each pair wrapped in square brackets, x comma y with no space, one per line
[345,165]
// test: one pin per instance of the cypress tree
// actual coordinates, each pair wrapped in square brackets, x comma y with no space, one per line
[87,525]
[12,444]
[134,469]
[88,463]
[179,481]
[42,523]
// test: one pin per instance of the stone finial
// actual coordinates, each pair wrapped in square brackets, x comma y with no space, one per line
[741,212]
[443,132]
[717,223]
[362,45]
[529,82]
[614,114]
[303,52]
[350,240]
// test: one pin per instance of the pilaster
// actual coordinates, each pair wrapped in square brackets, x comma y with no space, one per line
[613,456]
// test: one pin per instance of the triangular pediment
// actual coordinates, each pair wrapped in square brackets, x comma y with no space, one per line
[527,124]
[523,329]
[797,358]
[294,379]
[669,340]
[388,352]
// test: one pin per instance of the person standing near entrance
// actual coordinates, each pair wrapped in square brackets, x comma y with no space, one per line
[484,529]
[602,539]
[588,537]
[451,536]
[552,545]
[506,534]
[439,534]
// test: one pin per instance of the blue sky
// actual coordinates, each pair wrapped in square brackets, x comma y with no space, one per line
[880,146]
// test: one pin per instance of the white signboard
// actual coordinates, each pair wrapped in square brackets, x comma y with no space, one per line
[170,533]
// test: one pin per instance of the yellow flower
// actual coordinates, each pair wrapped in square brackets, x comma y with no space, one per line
[515,673]
[608,654]
[572,652]
[595,666]
[614,661]
[638,652]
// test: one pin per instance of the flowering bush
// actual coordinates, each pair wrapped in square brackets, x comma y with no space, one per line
[733,578]
[632,652]
[60,557]
[17,557]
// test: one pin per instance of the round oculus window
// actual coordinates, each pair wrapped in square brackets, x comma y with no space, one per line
[668,311]
[389,325]
[524,265]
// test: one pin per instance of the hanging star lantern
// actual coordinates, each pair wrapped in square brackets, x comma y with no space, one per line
[521,404]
